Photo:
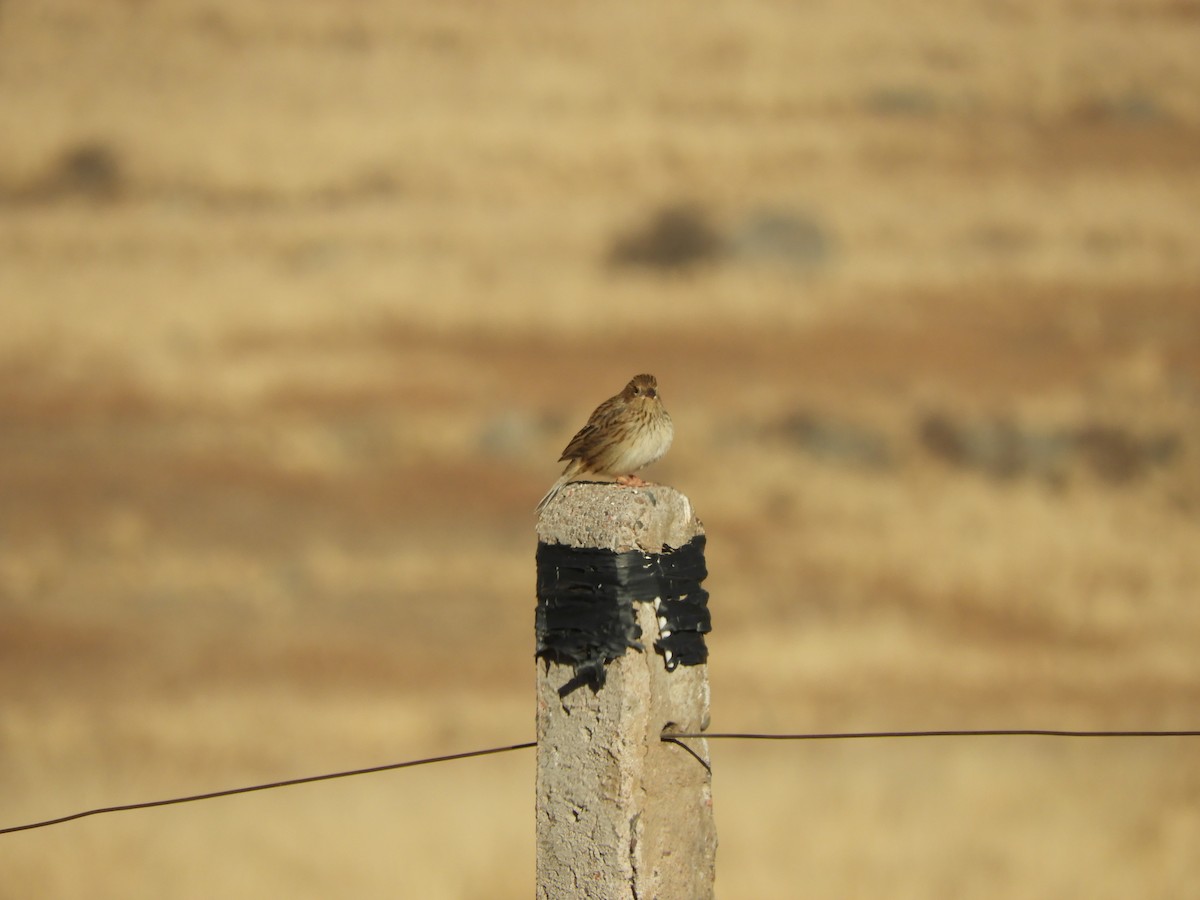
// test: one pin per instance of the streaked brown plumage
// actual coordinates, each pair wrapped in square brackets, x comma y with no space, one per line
[625,433]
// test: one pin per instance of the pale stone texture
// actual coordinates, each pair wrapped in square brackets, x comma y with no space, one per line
[619,812]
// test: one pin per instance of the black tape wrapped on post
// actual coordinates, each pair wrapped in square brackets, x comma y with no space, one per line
[585,614]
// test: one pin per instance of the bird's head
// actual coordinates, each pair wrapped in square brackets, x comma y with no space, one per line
[644,387]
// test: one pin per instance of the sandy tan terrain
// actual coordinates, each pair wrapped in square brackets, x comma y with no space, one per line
[299,302]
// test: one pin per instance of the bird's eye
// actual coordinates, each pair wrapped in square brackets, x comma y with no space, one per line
[636,390]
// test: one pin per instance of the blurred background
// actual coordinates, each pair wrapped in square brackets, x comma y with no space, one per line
[299,303]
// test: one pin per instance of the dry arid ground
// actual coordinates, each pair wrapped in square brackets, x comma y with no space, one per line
[299,302]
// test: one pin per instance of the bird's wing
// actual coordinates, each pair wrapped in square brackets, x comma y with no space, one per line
[579,443]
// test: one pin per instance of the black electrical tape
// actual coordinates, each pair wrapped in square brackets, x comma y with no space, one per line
[585,612]
[683,616]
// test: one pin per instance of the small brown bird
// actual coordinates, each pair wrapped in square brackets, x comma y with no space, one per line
[624,434]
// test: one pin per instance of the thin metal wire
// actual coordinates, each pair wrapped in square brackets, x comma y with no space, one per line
[986,732]
[270,785]
[676,737]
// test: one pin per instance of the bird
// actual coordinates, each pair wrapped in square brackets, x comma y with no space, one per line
[625,433]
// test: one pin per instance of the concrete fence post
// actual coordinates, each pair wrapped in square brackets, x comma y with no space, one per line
[620,813]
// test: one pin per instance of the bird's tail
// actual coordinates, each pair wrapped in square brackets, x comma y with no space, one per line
[553,492]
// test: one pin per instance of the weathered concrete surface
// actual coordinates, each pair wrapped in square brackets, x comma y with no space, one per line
[619,812]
